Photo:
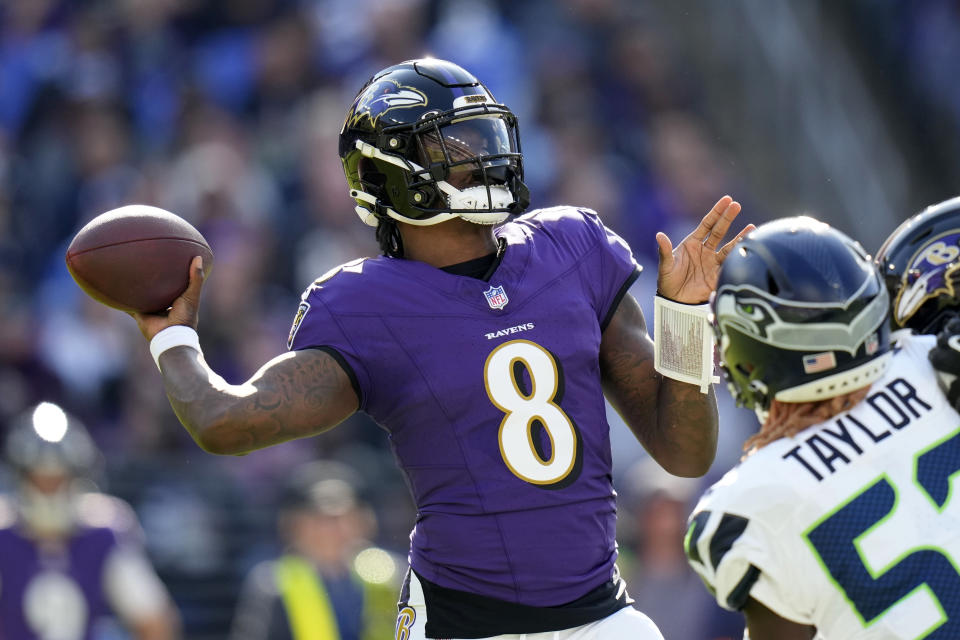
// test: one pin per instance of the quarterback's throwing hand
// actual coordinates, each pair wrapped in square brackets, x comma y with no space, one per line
[945,358]
[184,311]
[688,273]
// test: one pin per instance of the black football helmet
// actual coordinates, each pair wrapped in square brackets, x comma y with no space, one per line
[48,442]
[47,439]
[800,314]
[425,142]
[920,264]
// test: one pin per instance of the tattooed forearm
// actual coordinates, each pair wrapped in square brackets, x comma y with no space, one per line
[295,395]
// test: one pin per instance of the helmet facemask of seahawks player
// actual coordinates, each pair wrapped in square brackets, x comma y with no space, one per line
[52,453]
[920,264]
[800,314]
[426,142]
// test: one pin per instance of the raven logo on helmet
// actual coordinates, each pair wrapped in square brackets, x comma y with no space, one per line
[933,271]
[920,264]
[384,96]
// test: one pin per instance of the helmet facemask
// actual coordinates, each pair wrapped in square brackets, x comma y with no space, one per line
[478,160]
[49,512]
[463,163]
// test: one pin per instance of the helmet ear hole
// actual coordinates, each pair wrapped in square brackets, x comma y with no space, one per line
[772,284]
[370,173]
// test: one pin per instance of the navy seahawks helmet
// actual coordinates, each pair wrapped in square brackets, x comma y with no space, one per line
[920,264]
[800,314]
[425,142]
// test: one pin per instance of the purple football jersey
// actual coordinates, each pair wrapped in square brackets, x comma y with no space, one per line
[490,393]
[33,579]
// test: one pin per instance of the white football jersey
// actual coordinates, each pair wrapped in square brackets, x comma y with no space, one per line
[849,526]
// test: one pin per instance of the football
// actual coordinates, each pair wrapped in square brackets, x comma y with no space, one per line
[136,258]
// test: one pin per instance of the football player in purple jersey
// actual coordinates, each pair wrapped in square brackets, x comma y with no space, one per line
[71,561]
[483,341]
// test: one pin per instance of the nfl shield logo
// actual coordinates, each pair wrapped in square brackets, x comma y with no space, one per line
[496,297]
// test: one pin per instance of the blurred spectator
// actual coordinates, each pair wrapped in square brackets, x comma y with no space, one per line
[71,562]
[329,582]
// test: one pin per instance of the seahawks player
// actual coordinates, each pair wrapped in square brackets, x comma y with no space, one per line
[840,518]
[483,342]
[71,561]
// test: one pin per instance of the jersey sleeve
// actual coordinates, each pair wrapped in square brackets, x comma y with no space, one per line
[132,586]
[609,270]
[103,511]
[315,326]
[741,555]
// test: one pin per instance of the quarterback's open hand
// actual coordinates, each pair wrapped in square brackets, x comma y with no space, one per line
[688,273]
[945,358]
[184,310]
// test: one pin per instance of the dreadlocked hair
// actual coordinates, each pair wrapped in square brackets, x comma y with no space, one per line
[388,237]
[790,418]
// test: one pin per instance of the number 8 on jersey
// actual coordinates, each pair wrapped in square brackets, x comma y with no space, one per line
[523,409]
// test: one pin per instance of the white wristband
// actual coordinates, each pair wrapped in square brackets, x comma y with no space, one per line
[176,336]
[683,342]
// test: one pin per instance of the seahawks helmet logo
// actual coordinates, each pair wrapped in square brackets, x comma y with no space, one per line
[745,311]
[933,271]
[802,327]
[384,96]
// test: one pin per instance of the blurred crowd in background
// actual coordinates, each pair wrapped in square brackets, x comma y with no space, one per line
[227,113]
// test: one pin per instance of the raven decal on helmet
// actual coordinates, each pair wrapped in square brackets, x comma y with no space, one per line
[381,97]
[920,264]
